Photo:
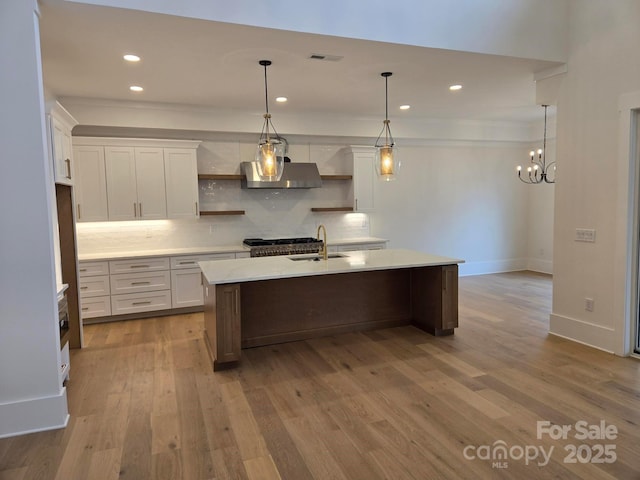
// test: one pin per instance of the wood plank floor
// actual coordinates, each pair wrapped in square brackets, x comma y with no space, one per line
[389,404]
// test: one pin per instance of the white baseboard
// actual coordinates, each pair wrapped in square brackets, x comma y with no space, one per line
[34,415]
[540,266]
[596,336]
[496,266]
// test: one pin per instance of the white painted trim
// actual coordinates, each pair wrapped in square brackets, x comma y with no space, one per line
[34,415]
[550,72]
[540,266]
[596,336]
[135,142]
[625,255]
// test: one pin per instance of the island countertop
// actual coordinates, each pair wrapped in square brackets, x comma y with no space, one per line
[267,268]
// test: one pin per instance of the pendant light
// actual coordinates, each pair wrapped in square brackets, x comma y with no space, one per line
[387,164]
[270,151]
[539,171]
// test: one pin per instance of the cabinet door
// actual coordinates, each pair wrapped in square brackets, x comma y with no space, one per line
[62,154]
[121,183]
[181,177]
[186,288]
[91,184]
[363,181]
[150,183]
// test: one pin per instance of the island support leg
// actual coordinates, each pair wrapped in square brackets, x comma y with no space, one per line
[222,324]
[434,299]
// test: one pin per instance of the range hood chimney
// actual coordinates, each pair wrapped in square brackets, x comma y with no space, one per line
[294,175]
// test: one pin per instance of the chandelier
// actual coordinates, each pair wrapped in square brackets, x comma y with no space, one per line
[539,171]
[387,164]
[270,151]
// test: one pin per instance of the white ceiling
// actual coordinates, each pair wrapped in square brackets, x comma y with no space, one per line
[212,64]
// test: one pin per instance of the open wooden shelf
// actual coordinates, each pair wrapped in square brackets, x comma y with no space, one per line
[219,176]
[222,212]
[332,209]
[336,177]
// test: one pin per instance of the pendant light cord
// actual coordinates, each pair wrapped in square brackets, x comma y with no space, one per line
[266,91]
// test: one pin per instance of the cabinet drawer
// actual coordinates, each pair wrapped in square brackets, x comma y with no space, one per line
[141,265]
[140,282]
[140,302]
[191,261]
[94,286]
[95,307]
[89,269]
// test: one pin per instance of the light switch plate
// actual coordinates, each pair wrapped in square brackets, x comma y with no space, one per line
[585,235]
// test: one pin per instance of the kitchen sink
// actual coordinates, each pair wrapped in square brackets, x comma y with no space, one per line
[315,258]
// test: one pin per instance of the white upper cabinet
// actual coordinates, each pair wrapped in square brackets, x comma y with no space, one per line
[181,178]
[146,179]
[363,178]
[91,184]
[60,125]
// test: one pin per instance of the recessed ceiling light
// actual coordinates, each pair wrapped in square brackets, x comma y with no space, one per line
[129,57]
[281,99]
[453,88]
[136,88]
[405,107]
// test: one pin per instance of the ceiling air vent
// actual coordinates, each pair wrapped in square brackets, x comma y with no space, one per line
[326,58]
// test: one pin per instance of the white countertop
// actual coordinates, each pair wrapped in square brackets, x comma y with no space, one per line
[268,268]
[159,252]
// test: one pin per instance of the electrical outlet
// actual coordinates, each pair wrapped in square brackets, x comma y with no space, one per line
[588,304]
[585,235]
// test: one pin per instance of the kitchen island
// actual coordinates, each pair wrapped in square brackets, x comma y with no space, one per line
[261,301]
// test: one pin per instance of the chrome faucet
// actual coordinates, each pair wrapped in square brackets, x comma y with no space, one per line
[322,252]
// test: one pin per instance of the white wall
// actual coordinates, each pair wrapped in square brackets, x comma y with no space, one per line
[603,64]
[31,397]
[458,201]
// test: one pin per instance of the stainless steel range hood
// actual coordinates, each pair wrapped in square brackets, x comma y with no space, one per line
[294,175]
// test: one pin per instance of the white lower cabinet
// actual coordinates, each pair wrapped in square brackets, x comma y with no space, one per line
[186,278]
[140,302]
[95,291]
[146,284]
[96,306]
[186,288]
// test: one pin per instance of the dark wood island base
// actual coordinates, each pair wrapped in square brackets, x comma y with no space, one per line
[265,312]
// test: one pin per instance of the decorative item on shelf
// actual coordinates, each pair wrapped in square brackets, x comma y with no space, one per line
[539,171]
[387,163]
[270,152]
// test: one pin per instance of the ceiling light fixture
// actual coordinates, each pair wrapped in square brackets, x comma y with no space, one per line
[281,99]
[270,151]
[405,107]
[539,171]
[453,88]
[136,88]
[129,57]
[387,164]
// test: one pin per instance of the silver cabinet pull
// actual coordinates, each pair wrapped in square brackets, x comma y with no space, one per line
[139,266]
[84,309]
[84,288]
[196,208]
[135,213]
[140,283]
[140,209]
[141,303]
[187,263]
[68,162]
[79,212]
